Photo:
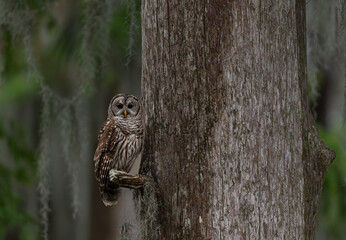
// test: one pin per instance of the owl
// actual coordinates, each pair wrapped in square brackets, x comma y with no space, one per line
[120,143]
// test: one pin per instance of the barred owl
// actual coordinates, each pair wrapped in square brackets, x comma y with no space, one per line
[120,143]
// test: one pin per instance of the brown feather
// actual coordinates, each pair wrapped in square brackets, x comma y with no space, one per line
[119,143]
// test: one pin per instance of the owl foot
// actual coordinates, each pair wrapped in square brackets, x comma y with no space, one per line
[124,179]
[118,174]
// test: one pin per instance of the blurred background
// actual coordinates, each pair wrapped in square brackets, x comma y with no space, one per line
[60,64]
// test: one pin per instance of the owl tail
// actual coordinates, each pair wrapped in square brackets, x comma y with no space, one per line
[110,196]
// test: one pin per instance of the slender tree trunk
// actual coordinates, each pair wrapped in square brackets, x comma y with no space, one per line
[229,135]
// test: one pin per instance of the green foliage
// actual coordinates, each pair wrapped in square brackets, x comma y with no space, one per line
[18,88]
[332,212]
[118,30]
[19,170]
[125,30]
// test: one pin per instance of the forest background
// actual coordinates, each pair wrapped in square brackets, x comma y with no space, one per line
[60,64]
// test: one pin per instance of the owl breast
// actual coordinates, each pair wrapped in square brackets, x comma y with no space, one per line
[127,150]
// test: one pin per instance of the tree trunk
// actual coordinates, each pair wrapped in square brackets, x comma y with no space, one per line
[229,135]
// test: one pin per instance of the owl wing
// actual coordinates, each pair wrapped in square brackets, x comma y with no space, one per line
[104,153]
[109,136]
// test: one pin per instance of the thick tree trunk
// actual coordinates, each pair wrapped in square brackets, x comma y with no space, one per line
[229,135]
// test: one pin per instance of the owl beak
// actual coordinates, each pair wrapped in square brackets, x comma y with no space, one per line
[125,113]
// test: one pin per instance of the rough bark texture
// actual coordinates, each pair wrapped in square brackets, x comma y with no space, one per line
[229,135]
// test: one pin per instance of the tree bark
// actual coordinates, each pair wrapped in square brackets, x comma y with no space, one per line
[229,135]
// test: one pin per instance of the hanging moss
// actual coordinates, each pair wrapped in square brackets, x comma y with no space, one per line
[133,29]
[325,37]
[44,162]
[21,18]
[149,212]
[125,231]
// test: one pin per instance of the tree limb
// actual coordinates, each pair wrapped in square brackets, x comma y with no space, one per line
[126,180]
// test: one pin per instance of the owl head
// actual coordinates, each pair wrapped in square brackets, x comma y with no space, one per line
[124,106]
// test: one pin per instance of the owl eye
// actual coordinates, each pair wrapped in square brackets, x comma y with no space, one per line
[120,106]
[130,105]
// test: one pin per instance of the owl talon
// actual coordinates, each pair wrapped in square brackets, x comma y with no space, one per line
[116,174]
[124,179]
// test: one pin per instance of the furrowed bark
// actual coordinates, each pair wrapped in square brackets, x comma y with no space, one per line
[229,135]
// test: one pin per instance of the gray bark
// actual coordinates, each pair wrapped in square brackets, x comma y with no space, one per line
[229,135]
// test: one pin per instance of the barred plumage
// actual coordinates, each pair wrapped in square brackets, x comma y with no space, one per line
[120,143]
